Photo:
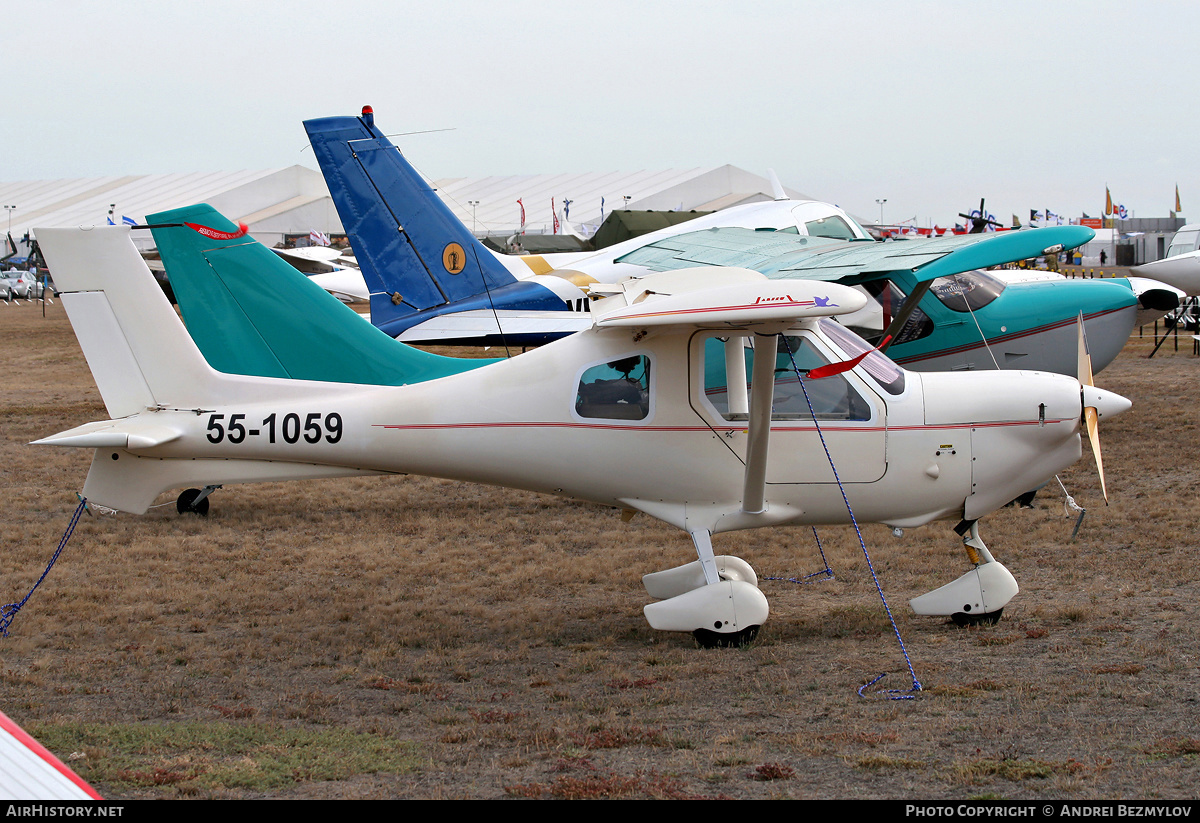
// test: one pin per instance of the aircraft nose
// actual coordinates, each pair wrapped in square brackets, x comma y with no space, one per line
[1106,403]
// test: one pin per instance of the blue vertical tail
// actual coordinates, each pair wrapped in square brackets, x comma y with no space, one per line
[418,259]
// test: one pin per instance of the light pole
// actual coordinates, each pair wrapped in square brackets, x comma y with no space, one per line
[881,202]
[472,204]
[10,210]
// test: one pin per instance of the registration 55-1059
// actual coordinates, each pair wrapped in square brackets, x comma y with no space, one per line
[291,427]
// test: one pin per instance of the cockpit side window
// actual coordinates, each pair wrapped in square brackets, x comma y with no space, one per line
[832,226]
[832,398]
[616,390]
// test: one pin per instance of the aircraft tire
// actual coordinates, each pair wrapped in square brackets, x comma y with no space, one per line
[185,503]
[726,640]
[983,619]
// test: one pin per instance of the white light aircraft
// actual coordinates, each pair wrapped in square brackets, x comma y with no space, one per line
[1181,267]
[330,269]
[702,398]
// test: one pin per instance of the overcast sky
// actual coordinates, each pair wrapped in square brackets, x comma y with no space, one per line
[931,105]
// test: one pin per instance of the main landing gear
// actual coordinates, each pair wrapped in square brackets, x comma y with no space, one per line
[979,596]
[715,598]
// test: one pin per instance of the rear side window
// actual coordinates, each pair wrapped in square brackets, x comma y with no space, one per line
[968,291]
[616,390]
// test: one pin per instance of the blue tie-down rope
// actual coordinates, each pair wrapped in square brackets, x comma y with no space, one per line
[10,609]
[824,574]
[890,694]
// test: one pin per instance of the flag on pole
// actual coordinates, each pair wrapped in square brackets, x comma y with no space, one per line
[1108,209]
[128,221]
[522,205]
[318,238]
[554,214]
[1178,208]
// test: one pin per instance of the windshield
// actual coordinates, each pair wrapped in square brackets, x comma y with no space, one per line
[878,365]
[1183,242]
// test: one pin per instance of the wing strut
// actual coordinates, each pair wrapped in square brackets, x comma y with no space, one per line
[906,309]
[762,393]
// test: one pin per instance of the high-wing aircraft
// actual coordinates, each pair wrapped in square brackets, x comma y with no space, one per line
[431,281]
[706,398]
[1181,267]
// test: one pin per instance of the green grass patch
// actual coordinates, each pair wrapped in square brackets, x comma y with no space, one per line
[217,755]
[1009,769]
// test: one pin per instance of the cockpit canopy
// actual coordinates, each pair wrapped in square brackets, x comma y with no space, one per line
[1184,241]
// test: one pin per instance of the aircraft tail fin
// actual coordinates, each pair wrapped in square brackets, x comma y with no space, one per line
[414,253]
[776,187]
[252,313]
[138,351]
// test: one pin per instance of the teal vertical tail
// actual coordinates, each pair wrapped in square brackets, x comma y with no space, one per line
[251,313]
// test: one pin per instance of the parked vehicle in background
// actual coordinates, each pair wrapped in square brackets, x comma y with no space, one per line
[19,284]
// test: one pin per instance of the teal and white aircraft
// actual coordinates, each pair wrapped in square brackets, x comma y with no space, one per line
[431,281]
[706,398]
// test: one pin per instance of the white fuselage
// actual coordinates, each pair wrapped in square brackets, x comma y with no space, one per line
[945,446]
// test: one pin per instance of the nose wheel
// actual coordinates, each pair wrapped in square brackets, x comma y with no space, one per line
[978,597]
[964,619]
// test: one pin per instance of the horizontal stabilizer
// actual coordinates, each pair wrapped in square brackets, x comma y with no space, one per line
[132,434]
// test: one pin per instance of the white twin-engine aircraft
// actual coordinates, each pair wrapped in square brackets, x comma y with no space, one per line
[699,397]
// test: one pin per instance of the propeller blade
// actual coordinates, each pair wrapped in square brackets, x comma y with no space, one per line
[1093,430]
[1084,370]
[1090,418]
[1095,402]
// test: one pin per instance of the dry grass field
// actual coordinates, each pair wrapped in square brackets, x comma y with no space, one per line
[418,638]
